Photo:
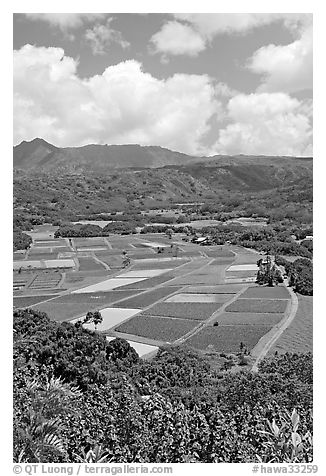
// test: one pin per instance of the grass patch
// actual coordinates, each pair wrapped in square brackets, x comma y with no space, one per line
[227,338]
[42,256]
[257,305]
[147,299]
[157,328]
[247,318]
[240,274]
[200,297]
[147,283]
[97,299]
[218,253]
[27,301]
[298,337]
[196,279]
[89,264]
[193,311]
[158,265]
[219,289]
[262,292]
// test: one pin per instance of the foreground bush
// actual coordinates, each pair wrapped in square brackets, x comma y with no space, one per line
[79,398]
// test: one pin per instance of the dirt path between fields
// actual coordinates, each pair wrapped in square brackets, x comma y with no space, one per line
[267,341]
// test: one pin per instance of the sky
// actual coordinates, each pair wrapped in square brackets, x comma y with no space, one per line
[202,84]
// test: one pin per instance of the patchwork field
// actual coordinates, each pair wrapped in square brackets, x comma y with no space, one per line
[217,253]
[146,273]
[27,301]
[227,338]
[94,300]
[247,318]
[257,305]
[157,328]
[193,311]
[148,298]
[241,274]
[196,279]
[219,289]
[89,264]
[111,317]
[298,337]
[62,311]
[200,297]
[276,292]
[142,283]
[243,267]
[140,264]
[108,284]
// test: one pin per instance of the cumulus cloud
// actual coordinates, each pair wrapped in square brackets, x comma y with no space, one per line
[191,33]
[285,67]
[122,105]
[101,37]
[65,20]
[268,124]
[178,39]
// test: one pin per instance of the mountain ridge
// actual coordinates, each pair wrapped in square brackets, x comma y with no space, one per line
[41,156]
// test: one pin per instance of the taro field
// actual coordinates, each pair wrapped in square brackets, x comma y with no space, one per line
[298,337]
[200,298]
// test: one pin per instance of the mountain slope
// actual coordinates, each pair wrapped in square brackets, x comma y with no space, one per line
[41,156]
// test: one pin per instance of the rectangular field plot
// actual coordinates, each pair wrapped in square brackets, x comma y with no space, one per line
[218,253]
[39,250]
[157,328]
[193,311]
[298,337]
[140,348]
[195,279]
[258,305]
[89,264]
[147,299]
[138,255]
[142,265]
[227,338]
[247,318]
[219,289]
[89,242]
[233,280]
[240,274]
[111,317]
[63,311]
[243,267]
[261,292]
[143,283]
[95,300]
[221,261]
[43,256]
[185,297]
[245,257]
[111,260]
[59,263]
[108,284]
[27,301]
[146,273]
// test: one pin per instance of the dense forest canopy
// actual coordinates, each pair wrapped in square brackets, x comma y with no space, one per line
[76,393]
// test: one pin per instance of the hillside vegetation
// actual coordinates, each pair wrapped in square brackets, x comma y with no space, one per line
[78,398]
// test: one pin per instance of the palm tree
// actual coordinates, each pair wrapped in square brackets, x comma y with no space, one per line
[40,439]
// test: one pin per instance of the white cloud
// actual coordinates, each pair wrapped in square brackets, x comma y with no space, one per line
[65,20]
[178,39]
[285,67]
[122,105]
[100,38]
[191,33]
[268,124]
